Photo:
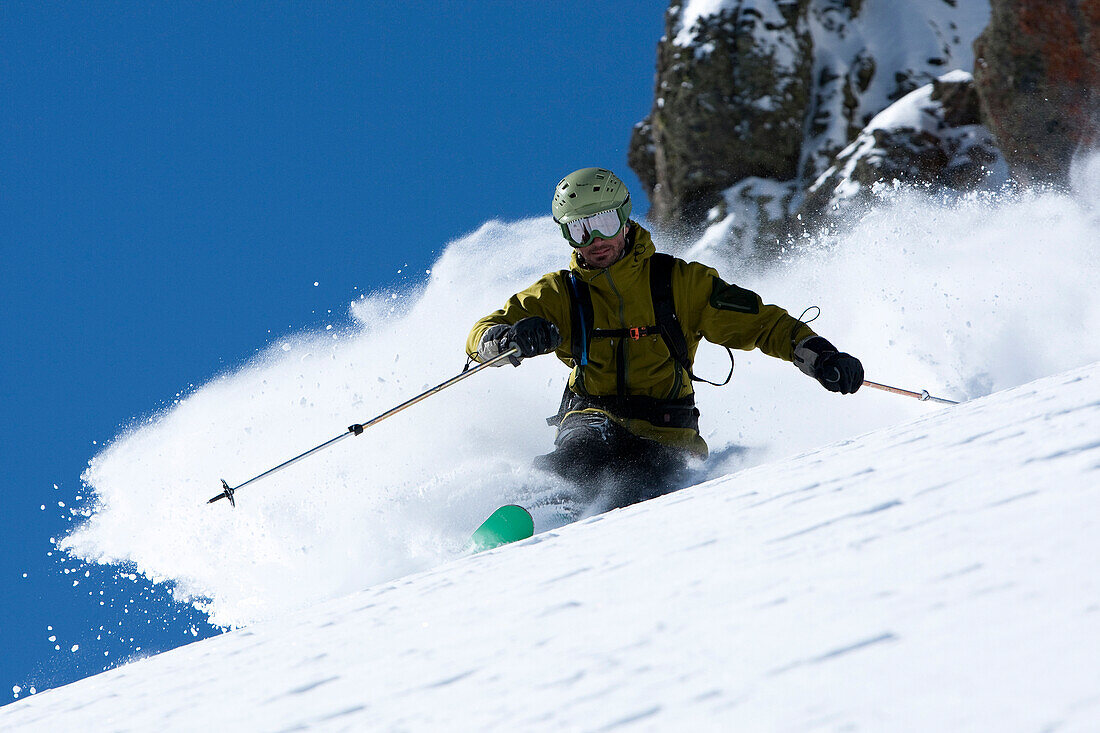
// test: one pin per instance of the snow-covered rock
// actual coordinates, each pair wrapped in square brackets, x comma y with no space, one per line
[932,137]
[774,89]
[934,575]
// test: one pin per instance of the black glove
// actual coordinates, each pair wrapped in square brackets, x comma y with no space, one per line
[837,371]
[532,335]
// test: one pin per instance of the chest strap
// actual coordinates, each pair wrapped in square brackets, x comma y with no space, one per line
[626,333]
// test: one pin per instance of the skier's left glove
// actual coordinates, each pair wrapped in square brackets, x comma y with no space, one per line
[835,370]
[533,336]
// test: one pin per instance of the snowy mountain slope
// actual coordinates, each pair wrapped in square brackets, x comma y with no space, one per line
[934,575]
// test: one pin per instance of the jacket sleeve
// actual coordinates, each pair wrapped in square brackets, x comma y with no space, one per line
[732,316]
[545,299]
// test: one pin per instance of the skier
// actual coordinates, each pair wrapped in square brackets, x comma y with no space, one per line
[628,425]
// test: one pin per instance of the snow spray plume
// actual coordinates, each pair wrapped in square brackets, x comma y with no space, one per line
[358,428]
[961,296]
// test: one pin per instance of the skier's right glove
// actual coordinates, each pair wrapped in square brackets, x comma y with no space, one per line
[835,370]
[532,335]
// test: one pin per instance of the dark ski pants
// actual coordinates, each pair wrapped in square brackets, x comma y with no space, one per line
[610,466]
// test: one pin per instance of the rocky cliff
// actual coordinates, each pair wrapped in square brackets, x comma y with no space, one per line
[932,137]
[772,90]
[1037,73]
[774,117]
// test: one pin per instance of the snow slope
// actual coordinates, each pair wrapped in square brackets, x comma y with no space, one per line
[938,574]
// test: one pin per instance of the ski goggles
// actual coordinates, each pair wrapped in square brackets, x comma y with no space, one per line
[583,232]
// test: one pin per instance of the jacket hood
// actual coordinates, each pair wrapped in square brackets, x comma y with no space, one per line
[639,248]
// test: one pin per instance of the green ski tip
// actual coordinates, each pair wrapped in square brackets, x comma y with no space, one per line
[510,523]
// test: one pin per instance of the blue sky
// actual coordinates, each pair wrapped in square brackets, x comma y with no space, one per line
[176,177]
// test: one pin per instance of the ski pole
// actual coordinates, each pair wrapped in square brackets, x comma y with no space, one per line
[357,429]
[923,395]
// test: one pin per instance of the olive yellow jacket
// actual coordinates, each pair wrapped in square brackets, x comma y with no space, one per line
[706,306]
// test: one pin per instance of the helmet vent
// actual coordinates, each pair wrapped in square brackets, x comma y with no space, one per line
[573,195]
[595,188]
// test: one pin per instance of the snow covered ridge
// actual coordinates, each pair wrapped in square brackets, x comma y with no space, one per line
[937,574]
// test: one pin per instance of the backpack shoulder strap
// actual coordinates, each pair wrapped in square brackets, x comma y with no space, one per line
[580,313]
[660,285]
[664,309]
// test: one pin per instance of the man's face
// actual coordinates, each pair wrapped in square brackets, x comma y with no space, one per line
[604,252]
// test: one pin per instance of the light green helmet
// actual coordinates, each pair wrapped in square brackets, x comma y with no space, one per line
[586,192]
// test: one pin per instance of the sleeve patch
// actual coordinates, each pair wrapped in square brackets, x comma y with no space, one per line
[732,298]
